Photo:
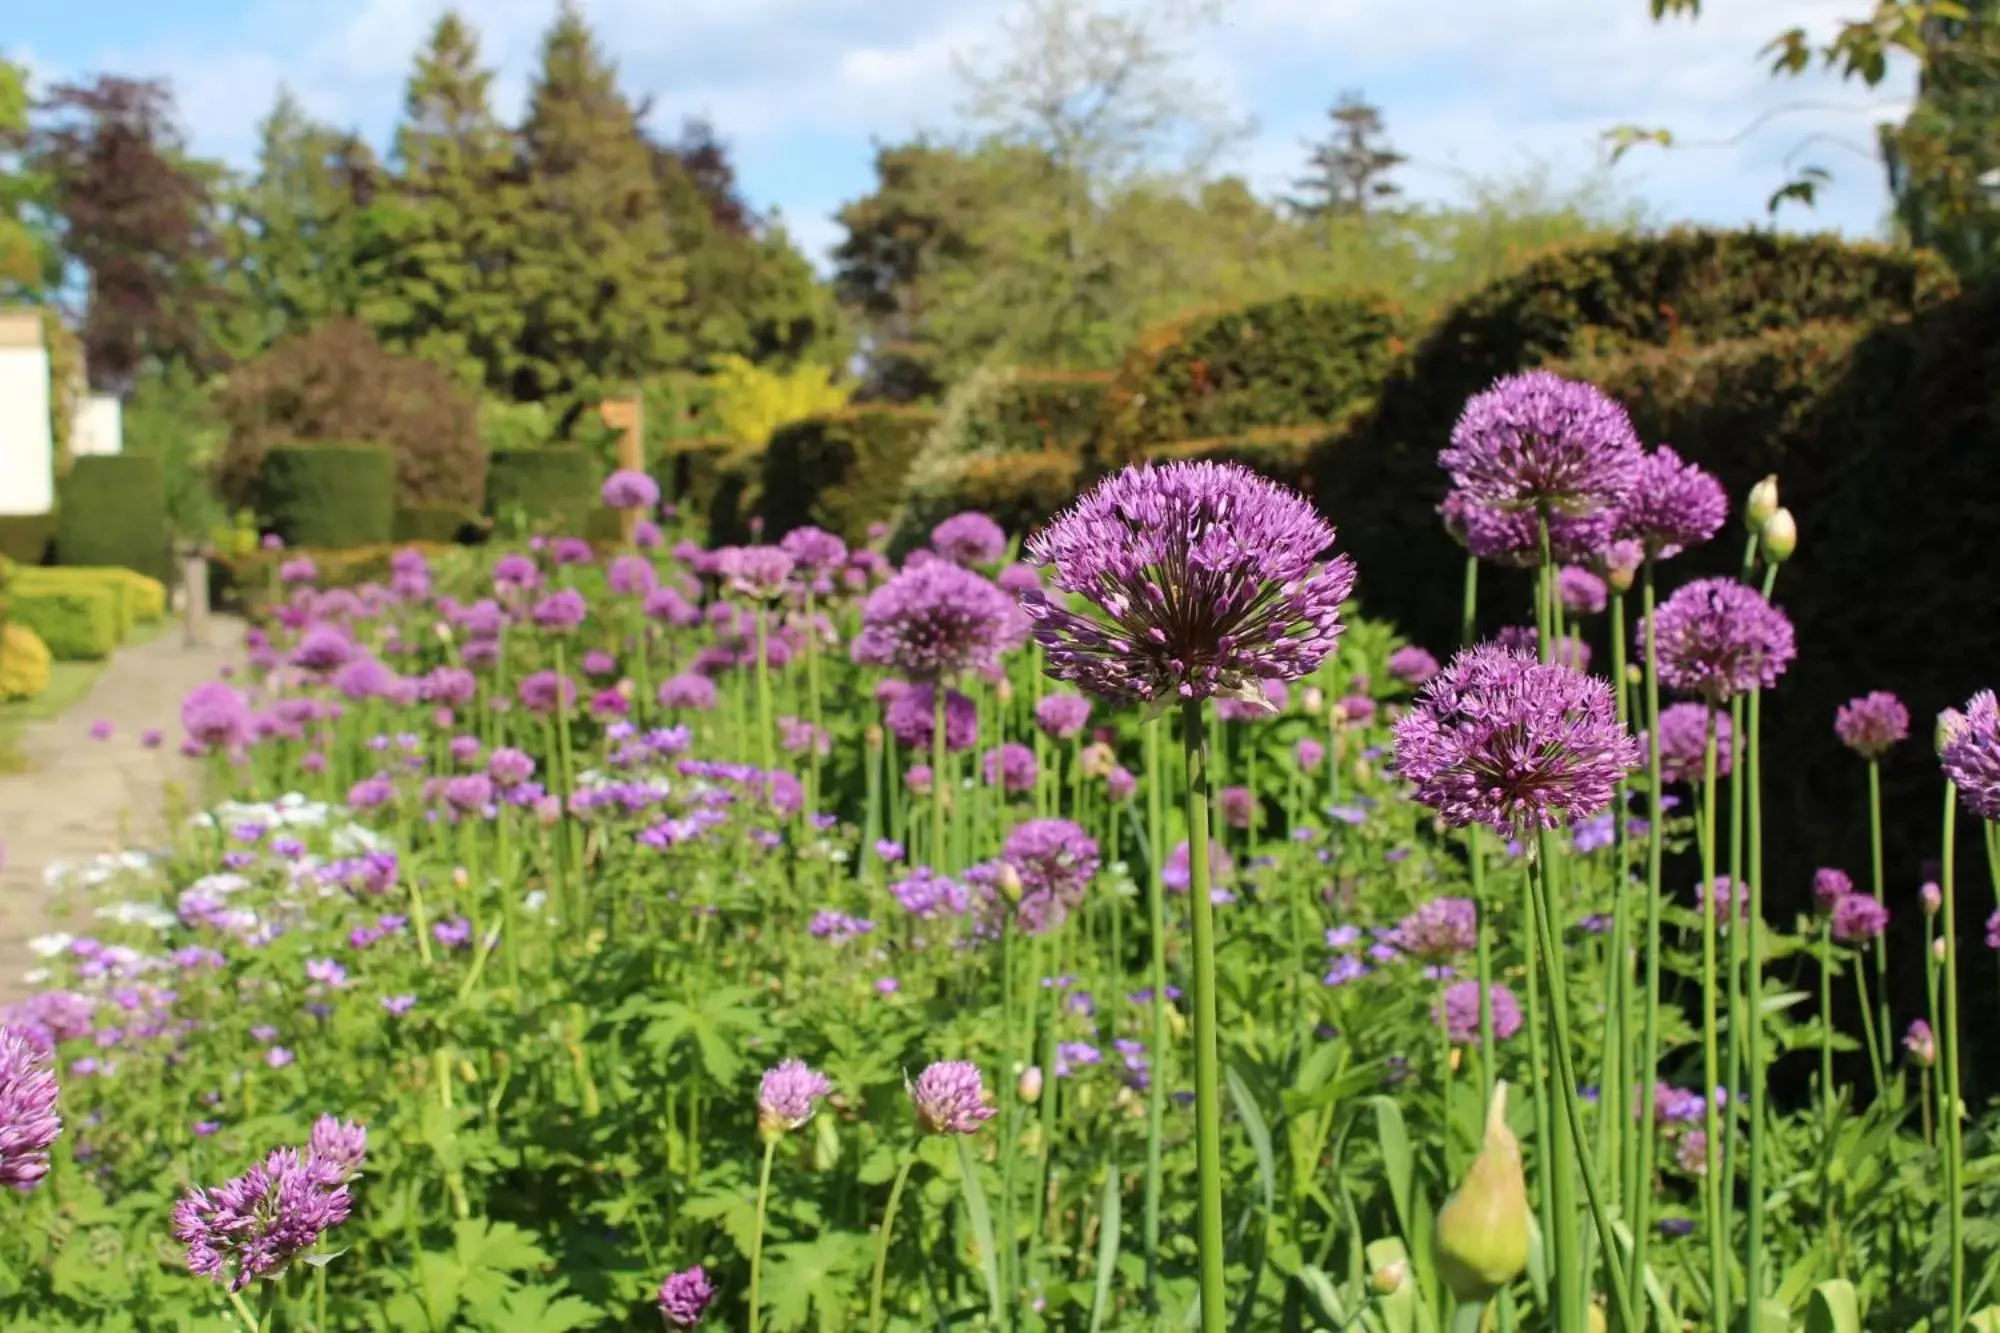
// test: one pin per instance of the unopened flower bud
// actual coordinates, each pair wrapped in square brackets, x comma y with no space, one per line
[459,877]
[1932,897]
[1390,1277]
[1030,1085]
[1620,579]
[443,631]
[1003,690]
[1763,503]
[1938,948]
[1950,726]
[1779,537]
[873,737]
[1314,702]
[1596,1320]
[1634,674]
[1010,882]
[1482,1230]
[1097,759]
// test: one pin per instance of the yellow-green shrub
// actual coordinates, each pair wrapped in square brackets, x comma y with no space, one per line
[751,401]
[79,624]
[24,663]
[145,599]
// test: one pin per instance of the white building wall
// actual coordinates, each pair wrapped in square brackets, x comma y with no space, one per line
[100,426]
[27,451]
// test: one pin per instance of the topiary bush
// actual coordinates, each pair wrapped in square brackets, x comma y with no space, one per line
[144,599]
[24,663]
[336,384]
[329,496]
[553,488]
[78,624]
[1019,491]
[1290,362]
[440,524]
[710,478]
[841,472]
[113,511]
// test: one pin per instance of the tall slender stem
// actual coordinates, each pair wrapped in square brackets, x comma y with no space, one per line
[882,1242]
[1718,1243]
[1754,945]
[1875,865]
[1156,1092]
[757,1229]
[1948,1109]
[938,857]
[1207,1072]
[1641,1198]
[767,755]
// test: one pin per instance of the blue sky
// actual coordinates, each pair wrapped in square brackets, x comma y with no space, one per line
[799,88]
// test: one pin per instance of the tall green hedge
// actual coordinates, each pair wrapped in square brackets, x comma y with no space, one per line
[443,524]
[329,496]
[27,539]
[710,479]
[114,512]
[841,472]
[1056,411]
[1296,361]
[556,488]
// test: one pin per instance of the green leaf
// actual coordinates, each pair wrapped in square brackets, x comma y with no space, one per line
[537,1309]
[1323,1296]
[1260,1135]
[1398,1163]
[982,1224]
[486,1247]
[1833,1308]
[1109,1206]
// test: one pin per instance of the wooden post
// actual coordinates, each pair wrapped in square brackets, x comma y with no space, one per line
[194,597]
[627,415]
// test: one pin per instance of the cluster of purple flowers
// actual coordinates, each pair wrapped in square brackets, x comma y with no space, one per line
[255,1225]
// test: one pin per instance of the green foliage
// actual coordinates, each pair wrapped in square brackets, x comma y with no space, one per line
[79,624]
[438,524]
[169,416]
[506,426]
[1055,411]
[550,489]
[114,512]
[337,384]
[1941,158]
[27,538]
[1289,362]
[329,496]
[751,402]
[1282,453]
[840,472]
[142,600]
[24,662]
[711,480]
[1018,490]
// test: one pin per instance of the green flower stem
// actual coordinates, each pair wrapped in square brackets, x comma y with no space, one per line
[1718,1242]
[1948,1108]
[1156,1092]
[1753,1291]
[813,706]
[1207,1076]
[882,1241]
[1829,1217]
[250,1321]
[757,1229]
[1875,865]
[570,852]
[1875,1071]
[1553,1149]
[1640,1188]
[938,857]
[767,756]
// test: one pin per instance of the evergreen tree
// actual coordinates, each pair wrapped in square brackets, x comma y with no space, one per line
[442,239]
[594,269]
[1350,168]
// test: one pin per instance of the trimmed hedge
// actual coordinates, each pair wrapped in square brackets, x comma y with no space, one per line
[78,624]
[144,599]
[331,496]
[709,478]
[27,539]
[840,472]
[1282,453]
[1216,373]
[1019,491]
[114,512]
[24,663]
[441,524]
[1043,410]
[555,487]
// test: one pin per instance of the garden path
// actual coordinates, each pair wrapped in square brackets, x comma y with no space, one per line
[79,796]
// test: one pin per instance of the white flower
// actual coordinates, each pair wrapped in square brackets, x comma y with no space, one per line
[137,914]
[48,946]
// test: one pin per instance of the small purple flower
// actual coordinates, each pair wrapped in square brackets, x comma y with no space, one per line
[1412,665]
[1684,742]
[1829,887]
[545,692]
[337,1148]
[757,572]
[912,715]
[1055,861]
[685,1297]
[277,1057]
[970,538]
[326,972]
[1439,930]
[399,1004]
[1062,716]
[101,729]
[1176,877]
[561,611]
[1011,767]
[1345,968]
[1310,754]
[1859,919]
[950,1098]
[1718,638]
[887,985]
[1871,724]
[453,933]
[687,691]
[785,1097]
[1120,783]
[1931,898]
[1921,1045]
[1237,806]
[629,489]
[1459,1012]
[813,551]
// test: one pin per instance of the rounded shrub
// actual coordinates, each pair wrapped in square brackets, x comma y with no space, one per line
[336,384]
[553,488]
[114,512]
[329,496]
[1290,362]
[24,663]
[840,472]
[79,624]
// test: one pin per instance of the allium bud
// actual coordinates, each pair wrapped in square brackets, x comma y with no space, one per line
[1314,702]
[1003,690]
[1030,1084]
[459,877]
[1931,897]
[1763,503]
[1779,537]
[1390,1277]
[1009,880]
[1950,726]
[1938,948]
[873,736]
[1098,760]
[1482,1231]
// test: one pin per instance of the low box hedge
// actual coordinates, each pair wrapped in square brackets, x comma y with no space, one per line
[114,512]
[553,489]
[145,597]
[78,624]
[329,496]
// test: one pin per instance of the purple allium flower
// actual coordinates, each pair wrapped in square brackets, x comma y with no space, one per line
[1569,651]
[934,621]
[1412,665]
[1970,753]
[1537,442]
[1459,1012]
[1011,767]
[1859,919]
[1684,742]
[912,715]
[1018,578]
[29,1120]
[253,1226]
[1718,638]
[1310,754]
[1671,506]
[151,737]
[1993,931]
[925,894]
[758,572]
[970,538]
[1175,874]
[917,777]
[1055,861]
[1204,578]
[785,1097]
[631,576]
[1439,930]
[687,691]
[1062,716]
[814,551]
[101,729]
[1919,1042]
[570,551]
[951,1098]
[1120,782]
[667,606]
[1237,806]
[508,767]
[337,1148]
[1728,895]
[323,648]
[1829,887]
[686,1296]
[1691,1152]
[561,611]
[1499,739]
[545,691]
[300,569]
[629,489]
[1872,723]
[1514,537]
[215,716]
[1583,593]
[796,737]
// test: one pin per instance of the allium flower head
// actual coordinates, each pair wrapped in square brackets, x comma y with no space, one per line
[1583,593]
[253,1226]
[1412,665]
[1203,578]
[1176,876]
[1514,536]
[631,576]
[813,550]
[561,611]
[1671,506]
[970,538]
[337,1149]
[1062,716]
[1499,739]
[1684,742]
[934,621]
[755,571]
[1010,767]
[951,1098]
[1859,919]
[1718,638]
[1539,442]
[1569,650]
[1055,861]
[1829,887]
[1970,753]
[685,1297]
[785,1097]
[629,489]
[29,1121]
[1872,723]
[217,716]
[687,690]
[1459,1012]
[1439,931]
[1921,1045]
[1276,694]
[912,716]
